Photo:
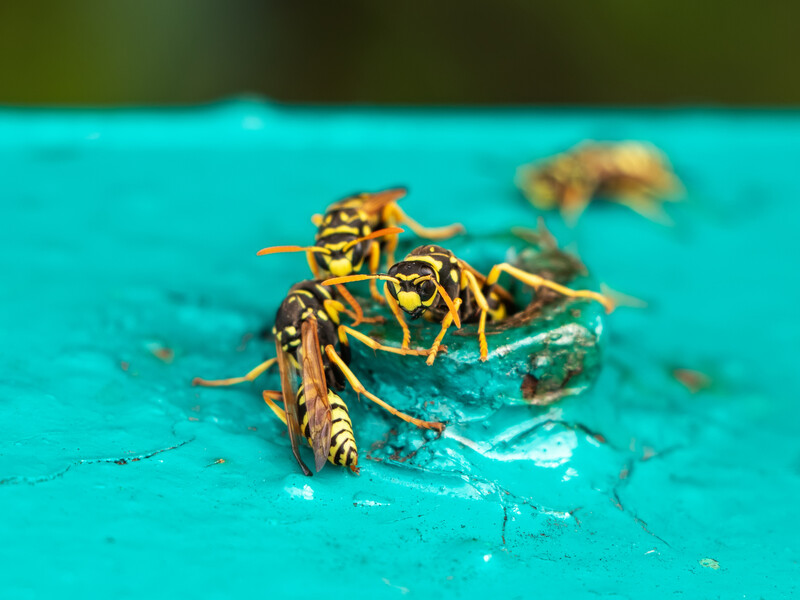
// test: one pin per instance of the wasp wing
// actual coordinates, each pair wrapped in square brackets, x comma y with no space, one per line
[374,203]
[289,390]
[315,389]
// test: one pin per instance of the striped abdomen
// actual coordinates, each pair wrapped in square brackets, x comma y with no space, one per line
[343,443]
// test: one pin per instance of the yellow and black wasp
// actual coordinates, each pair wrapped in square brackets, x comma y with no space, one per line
[433,281]
[634,174]
[307,326]
[350,232]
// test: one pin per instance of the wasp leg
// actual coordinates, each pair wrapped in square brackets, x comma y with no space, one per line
[360,389]
[398,314]
[333,307]
[535,281]
[269,396]
[430,233]
[374,264]
[647,206]
[446,322]
[344,331]
[312,264]
[480,298]
[358,313]
[251,376]
[574,202]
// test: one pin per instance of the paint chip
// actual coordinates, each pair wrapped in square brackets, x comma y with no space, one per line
[709,563]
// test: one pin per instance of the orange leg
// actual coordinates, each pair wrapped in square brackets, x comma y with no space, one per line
[398,314]
[535,281]
[360,389]
[312,264]
[269,396]
[446,322]
[431,233]
[344,331]
[334,306]
[484,306]
[374,264]
[251,376]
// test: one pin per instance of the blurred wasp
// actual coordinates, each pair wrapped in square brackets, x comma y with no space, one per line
[307,326]
[634,174]
[348,234]
[433,281]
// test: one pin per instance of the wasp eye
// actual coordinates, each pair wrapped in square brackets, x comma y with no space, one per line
[427,289]
[322,260]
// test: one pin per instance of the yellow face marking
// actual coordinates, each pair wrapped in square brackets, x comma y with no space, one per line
[291,330]
[409,301]
[340,267]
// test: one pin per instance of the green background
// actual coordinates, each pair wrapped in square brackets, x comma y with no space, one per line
[422,52]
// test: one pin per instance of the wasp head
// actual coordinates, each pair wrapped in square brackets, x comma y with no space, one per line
[341,255]
[414,286]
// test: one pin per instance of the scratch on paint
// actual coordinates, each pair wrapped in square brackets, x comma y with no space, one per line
[88,461]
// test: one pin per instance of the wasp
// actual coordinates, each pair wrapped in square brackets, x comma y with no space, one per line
[634,174]
[432,281]
[307,328]
[348,235]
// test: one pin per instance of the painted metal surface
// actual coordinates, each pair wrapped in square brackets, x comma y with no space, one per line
[128,267]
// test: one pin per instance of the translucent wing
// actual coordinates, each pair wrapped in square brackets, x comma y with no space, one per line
[374,203]
[289,390]
[315,389]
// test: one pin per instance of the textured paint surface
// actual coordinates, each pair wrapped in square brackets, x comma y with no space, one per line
[128,267]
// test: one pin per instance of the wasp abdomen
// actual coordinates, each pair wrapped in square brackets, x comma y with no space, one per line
[343,450]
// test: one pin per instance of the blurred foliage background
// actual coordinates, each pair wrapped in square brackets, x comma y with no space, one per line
[100,52]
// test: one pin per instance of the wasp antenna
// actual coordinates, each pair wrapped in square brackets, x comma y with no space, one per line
[278,249]
[449,301]
[375,234]
[351,278]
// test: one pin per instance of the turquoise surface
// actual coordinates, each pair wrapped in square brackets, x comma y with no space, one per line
[126,233]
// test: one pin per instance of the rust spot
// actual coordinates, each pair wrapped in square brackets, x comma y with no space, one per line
[219,461]
[193,419]
[528,387]
[121,461]
[251,428]
[162,353]
[694,381]
[124,365]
